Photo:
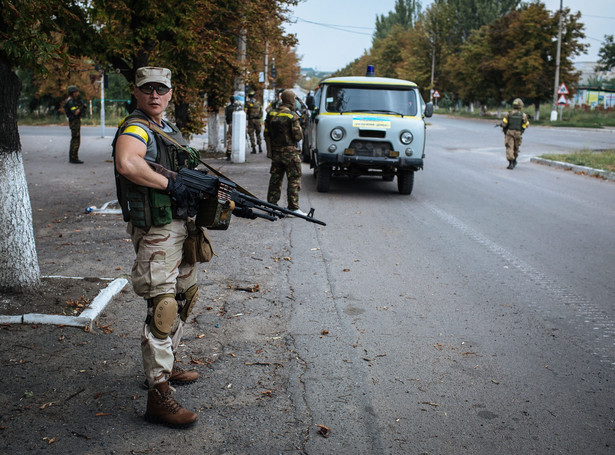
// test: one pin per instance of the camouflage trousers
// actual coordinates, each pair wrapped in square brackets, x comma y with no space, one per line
[229,136]
[159,268]
[512,141]
[75,138]
[285,161]
[254,130]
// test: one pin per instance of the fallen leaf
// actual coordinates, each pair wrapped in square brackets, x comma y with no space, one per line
[346,270]
[253,288]
[102,414]
[323,431]
[324,332]
[46,405]
[267,393]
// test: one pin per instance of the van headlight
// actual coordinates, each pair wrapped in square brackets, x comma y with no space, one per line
[406,137]
[337,134]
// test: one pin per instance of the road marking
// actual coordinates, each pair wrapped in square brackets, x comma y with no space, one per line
[591,315]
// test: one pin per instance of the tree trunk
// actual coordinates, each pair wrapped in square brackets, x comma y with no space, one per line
[19,268]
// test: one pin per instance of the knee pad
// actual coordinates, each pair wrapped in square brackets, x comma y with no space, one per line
[192,295]
[163,316]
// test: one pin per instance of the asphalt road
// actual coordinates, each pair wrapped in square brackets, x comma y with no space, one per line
[475,316]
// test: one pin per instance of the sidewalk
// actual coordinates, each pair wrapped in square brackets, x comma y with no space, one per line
[70,391]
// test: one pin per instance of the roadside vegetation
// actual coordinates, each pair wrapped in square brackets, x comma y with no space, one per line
[566,117]
[595,159]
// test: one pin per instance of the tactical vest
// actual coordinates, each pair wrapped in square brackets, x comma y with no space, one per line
[515,120]
[142,206]
[254,110]
[280,128]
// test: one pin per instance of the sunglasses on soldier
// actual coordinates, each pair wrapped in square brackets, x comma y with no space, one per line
[148,89]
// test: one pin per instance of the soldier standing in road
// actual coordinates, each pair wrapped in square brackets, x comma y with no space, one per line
[283,132]
[254,113]
[513,125]
[228,116]
[73,108]
[158,209]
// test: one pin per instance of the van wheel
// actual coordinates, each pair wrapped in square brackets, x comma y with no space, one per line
[323,179]
[405,182]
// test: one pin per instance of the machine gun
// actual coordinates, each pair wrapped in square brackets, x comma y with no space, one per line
[220,197]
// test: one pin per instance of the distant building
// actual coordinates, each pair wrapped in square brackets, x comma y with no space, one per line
[590,91]
[594,97]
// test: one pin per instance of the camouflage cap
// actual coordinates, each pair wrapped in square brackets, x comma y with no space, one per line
[72,89]
[518,103]
[147,74]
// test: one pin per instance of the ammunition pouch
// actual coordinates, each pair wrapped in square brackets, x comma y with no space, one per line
[197,246]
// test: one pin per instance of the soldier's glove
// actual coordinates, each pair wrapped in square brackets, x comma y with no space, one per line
[186,201]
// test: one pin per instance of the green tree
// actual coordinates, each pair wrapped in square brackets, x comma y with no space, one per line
[473,14]
[406,13]
[528,63]
[430,44]
[196,39]
[476,78]
[607,54]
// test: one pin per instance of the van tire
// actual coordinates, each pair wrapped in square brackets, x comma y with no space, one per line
[405,182]
[323,179]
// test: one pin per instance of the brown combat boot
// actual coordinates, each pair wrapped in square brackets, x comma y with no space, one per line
[162,408]
[179,376]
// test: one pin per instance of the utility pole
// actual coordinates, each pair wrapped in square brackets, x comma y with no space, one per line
[433,69]
[557,60]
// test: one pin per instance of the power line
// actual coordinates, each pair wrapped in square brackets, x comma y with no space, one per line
[341,28]
[598,17]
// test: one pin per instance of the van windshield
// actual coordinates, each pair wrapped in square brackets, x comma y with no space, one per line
[380,100]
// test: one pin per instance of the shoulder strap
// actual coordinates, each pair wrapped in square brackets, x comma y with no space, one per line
[192,153]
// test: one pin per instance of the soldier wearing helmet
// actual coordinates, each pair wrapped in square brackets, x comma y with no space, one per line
[254,114]
[513,126]
[282,133]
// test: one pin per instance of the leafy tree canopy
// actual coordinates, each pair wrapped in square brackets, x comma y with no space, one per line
[406,13]
[607,54]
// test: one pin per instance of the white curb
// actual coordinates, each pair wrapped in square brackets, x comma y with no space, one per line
[85,319]
[607,175]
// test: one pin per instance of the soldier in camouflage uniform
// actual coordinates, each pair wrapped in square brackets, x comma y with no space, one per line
[73,108]
[254,113]
[283,132]
[513,126]
[228,117]
[158,210]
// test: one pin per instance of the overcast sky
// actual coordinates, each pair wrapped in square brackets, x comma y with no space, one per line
[332,33]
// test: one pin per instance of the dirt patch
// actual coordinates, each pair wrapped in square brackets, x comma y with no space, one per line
[63,296]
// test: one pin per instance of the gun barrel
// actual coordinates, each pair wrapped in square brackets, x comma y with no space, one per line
[309,217]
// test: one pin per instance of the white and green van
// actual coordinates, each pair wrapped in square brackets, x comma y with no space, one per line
[367,126]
